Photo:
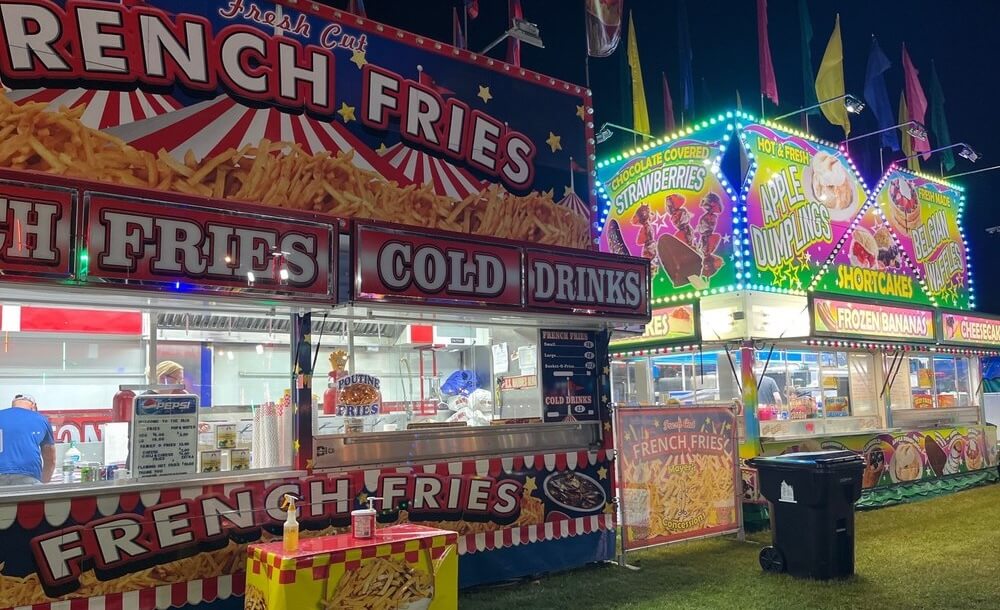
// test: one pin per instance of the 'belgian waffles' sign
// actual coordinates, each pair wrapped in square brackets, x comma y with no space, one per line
[406,266]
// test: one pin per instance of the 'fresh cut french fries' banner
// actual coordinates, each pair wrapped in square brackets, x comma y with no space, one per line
[293,105]
[678,474]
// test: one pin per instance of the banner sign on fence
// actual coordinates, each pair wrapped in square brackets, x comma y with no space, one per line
[678,474]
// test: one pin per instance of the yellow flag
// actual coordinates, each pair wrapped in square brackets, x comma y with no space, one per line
[830,81]
[904,117]
[640,115]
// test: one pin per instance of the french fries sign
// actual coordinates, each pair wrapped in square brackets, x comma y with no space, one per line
[294,105]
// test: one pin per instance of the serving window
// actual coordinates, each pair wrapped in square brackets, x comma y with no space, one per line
[233,368]
[395,376]
[817,392]
[683,379]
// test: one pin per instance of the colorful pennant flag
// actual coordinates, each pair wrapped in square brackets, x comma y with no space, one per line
[640,114]
[808,75]
[877,96]
[830,81]
[904,116]
[939,123]
[768,83]
[604,26]
[513,44]
[669,124]
[357,7]
[457,35]
[686,58]
[916,101]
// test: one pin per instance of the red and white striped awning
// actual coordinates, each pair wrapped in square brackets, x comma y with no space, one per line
[105,109]
[421,168]
[573,202]
[214,126]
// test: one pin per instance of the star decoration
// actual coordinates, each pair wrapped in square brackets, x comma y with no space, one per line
[581,112]
[605,399]
[725,239]
[310,464]
[606,370]
[358,59]
[656,423]
[530,485]
[550,193]
[609,509]
[554,142]
[602,473]
[484,94]
[296,444]
[567,191]
[381,148]
[607,426]
[628,436]
[362,498]
[346,112]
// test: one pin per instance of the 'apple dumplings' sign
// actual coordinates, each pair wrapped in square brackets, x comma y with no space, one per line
[801,196]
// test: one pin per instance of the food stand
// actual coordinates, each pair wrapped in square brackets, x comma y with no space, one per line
[830,292]
[281,198]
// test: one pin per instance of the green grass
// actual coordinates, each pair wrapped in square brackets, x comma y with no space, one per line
[940,553]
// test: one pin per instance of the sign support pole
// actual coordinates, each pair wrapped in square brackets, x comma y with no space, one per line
[302,371]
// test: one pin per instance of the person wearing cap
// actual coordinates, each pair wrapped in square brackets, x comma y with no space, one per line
[27,447]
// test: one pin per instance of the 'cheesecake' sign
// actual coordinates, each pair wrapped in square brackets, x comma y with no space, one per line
[399,265]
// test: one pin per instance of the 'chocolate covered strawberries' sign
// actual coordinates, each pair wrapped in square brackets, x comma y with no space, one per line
[409,267]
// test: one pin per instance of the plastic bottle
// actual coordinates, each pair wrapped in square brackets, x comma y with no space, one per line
[363,520]
[70,460]
[290,541]
[121,406]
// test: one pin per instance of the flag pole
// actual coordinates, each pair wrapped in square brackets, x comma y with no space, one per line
[761,104]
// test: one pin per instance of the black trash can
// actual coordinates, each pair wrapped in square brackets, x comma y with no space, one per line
[812,498]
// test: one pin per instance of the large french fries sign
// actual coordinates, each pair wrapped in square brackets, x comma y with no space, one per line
[293,105]
[678,474]
[123,546]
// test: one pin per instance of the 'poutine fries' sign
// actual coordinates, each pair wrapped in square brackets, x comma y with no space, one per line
[161,244]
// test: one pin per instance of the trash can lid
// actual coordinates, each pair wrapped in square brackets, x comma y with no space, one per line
[811,459]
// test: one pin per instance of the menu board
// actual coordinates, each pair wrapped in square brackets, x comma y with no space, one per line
[871,320]
[673,206]
[164,435]
[569,375]
[801,198]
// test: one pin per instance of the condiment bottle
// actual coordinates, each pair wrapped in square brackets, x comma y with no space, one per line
[291,533]
[363,521]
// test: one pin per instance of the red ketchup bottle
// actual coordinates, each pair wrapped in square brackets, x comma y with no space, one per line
[330,395]
[121,406]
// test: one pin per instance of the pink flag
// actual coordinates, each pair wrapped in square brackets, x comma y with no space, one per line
[513,44]
[768,84]
[916,102]
[668,107]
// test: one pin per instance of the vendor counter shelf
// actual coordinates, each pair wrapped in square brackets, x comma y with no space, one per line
[826,436]
[404,567]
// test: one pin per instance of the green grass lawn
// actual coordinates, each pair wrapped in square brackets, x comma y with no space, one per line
[941,553]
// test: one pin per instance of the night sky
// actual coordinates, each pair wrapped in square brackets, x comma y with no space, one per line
[959,35]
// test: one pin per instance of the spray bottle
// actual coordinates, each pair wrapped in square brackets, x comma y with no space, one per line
[291,533]
[363,520]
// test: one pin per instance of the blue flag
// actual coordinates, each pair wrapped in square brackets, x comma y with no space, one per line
[687,72]
[877,96]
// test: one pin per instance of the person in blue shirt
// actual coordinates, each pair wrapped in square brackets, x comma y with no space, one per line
[27,448]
